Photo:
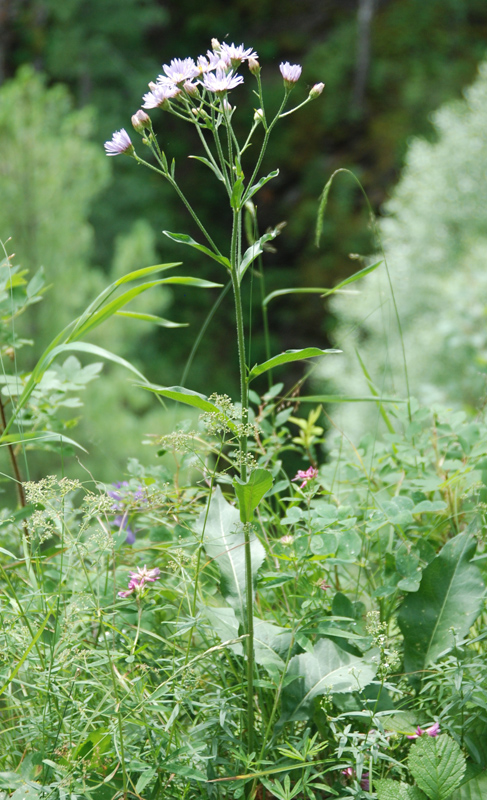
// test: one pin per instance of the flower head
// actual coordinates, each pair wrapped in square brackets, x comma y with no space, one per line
[433,731]
[211,61]
[287,539]
[221,81]
[305,475]
[160,95]
[291,73]
[139,579]
[119,144]
[233,55]
[179,71]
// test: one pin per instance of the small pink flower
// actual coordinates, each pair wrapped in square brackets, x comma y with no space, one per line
[287,539]
[305,476]
[433,731]
[324,585]
[139,579]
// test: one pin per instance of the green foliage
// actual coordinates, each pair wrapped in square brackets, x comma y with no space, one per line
[437,765]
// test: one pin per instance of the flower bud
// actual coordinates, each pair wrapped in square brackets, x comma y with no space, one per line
[140,121]
[259,115]
[191,89]
[316,90]
[254,66]
[215,45]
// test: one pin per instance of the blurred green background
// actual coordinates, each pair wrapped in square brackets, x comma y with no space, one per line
[72,72]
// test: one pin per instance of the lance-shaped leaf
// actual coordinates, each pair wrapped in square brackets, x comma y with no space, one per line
[321,291]
[161,321]
[31,438]
[255,250]
[327,669]
[250,494]
[224,540]
[255,188]
[286,357]
[183,238]
[450,596]
[188,397]
[210,165]
[437,765]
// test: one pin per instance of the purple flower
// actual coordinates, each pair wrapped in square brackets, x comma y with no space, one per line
[305,476]
[179,71]
[221,82]
[139,579]
[160,95]
[233,55]
[433,731]
[291,73]
[120,143]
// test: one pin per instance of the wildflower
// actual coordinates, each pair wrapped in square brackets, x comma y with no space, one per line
[316,90]
[234,56]
[140,121]
[433,731]
[126,500]
[305,476]
[209,62]
[221,81]
[291,74]
[324,585]
[139,579]
[178,71]
[119,144]
[287,539]
[160,95]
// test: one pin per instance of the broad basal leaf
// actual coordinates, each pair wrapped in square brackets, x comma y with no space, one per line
[437,765]
[474,789]
[450,597]
[223,539]
[271,642]
[327,669]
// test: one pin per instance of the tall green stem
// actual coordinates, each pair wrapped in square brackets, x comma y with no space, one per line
[249,621]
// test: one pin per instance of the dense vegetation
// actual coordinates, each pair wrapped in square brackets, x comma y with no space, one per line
[252,608]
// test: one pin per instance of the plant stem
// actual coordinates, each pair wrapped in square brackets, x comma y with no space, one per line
[249,621]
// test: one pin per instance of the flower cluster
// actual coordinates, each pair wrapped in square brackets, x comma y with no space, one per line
[139,579]
[433,730]
[305,475]
[126,500]
[207,79]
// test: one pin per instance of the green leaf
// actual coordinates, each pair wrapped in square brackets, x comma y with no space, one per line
[31,437]
[183,238]
[474,789]
[326,669]
[255,250]
[250,494]
[339,398]
[223,539]
[163,323]
[186,396]
[255,188]
[211,166]
[450,596]
[319,289]
[437,765]
[286,357]
[393,790]
[271,642]
[237,191]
